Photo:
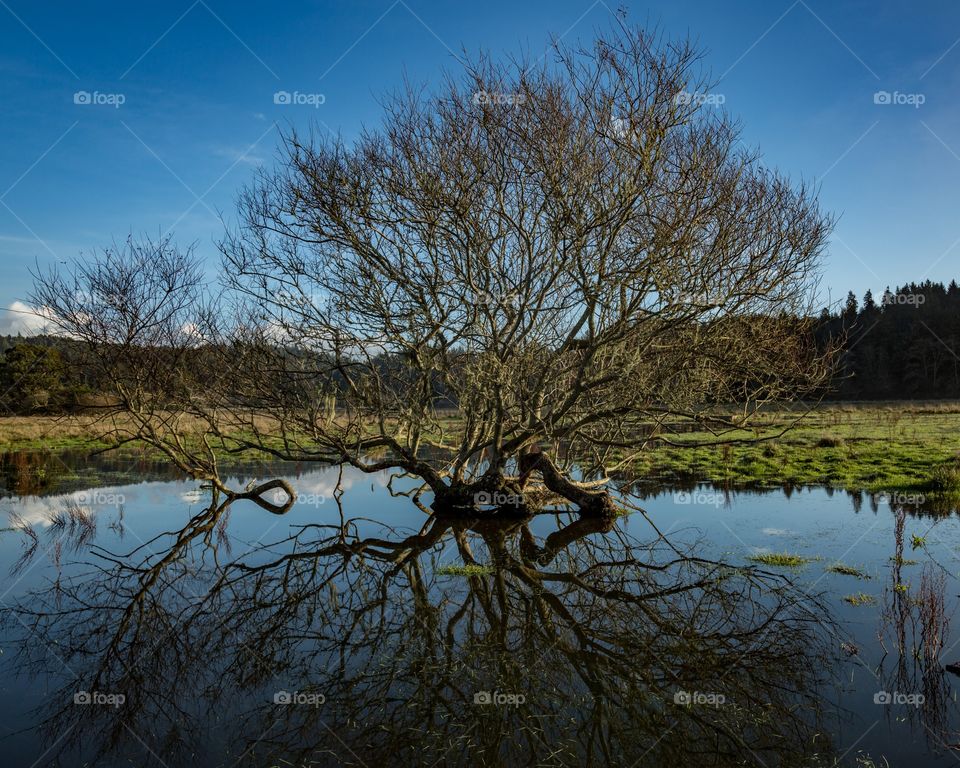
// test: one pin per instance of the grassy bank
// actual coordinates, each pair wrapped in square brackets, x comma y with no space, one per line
[22,433]
[875,447]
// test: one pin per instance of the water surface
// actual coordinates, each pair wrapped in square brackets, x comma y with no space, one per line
[146,623]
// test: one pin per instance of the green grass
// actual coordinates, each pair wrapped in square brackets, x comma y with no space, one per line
[847,570]
[860,598]
[464,570]
[873,447]
[782,559]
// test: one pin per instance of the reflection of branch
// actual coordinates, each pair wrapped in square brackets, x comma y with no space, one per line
[598,644]
[255,494]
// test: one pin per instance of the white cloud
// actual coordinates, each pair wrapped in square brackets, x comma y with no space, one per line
[23,319]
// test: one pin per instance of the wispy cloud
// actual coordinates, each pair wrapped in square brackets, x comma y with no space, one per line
[240,155]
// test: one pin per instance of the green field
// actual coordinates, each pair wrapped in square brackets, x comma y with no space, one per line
[903,446]
[873,447]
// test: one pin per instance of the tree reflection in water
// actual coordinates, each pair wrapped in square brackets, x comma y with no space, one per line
[592,632]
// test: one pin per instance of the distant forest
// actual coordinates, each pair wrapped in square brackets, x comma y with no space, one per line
[904,345]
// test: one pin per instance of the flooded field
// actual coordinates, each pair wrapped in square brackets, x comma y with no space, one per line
[147,622]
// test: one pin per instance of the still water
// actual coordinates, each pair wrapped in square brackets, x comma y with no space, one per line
[143,622]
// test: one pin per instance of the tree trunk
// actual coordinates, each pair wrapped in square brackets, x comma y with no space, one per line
[589,502]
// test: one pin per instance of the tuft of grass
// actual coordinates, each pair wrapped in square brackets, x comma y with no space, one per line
[783,559]
[946,477]
[860,598]
[847,570]
[464,570]
[830,442]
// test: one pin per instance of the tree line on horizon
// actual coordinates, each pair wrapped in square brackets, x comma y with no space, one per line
[902,345]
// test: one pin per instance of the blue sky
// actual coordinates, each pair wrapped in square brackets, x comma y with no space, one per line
[197,83]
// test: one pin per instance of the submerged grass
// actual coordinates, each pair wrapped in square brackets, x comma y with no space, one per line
[782,559]
[860,598]
[847,570]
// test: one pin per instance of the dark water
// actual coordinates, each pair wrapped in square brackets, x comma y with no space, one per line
[145,625]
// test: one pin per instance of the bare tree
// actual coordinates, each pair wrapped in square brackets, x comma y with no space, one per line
[570,255]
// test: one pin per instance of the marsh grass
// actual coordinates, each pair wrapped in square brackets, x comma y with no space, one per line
[780,559]
[847,570]
[860,598]
[874,447]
